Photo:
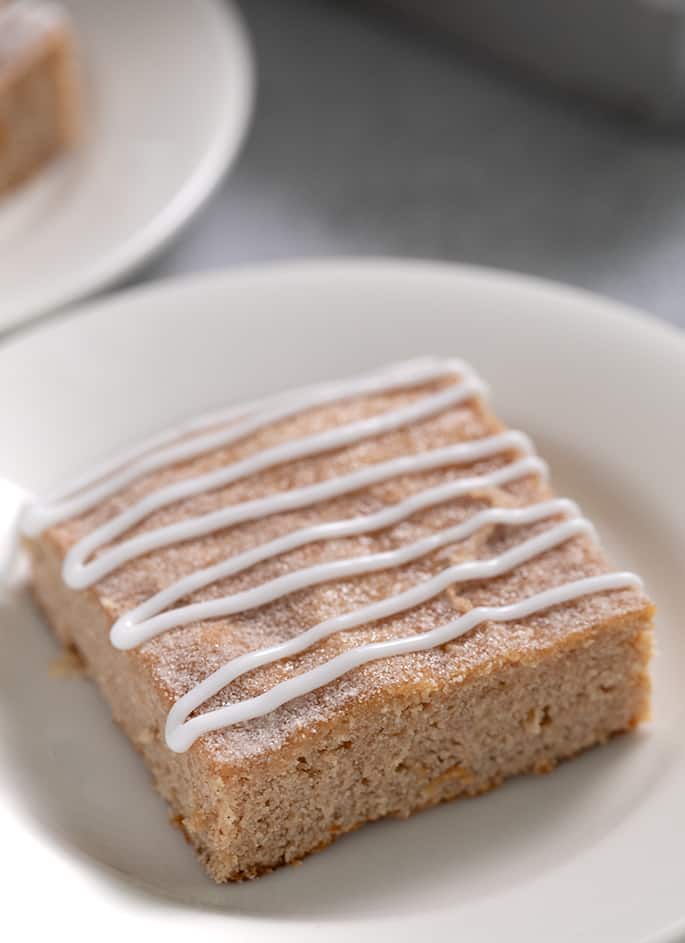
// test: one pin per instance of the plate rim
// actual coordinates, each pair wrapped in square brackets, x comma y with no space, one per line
[158,233]
[99,306]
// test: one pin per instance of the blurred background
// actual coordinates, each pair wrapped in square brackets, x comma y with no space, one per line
[378,134]
[538,136]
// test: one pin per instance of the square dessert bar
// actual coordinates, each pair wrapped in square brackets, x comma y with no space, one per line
[346,602]
[39,100]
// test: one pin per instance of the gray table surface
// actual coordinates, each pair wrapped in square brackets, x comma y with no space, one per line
[372,138]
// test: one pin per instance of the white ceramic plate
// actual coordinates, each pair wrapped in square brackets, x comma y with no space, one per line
[168,88]
[593,852]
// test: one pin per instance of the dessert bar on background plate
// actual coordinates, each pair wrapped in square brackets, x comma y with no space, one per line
[123,192]
[39,95]
[346,602]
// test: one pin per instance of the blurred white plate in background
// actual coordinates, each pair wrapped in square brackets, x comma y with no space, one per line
[168,88]
[592,852]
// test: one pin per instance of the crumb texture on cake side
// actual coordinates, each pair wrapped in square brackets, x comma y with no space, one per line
[394,735]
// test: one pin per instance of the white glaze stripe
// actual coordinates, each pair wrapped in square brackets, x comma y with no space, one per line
[424,591]
[79,575]
[181,733]
[143,623]
[165,449]
[76,574]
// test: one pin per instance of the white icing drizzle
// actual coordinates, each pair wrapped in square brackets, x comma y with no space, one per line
[182,733]
[78,574]
[171,447]
[199,436]
[390,606]
[143,622]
